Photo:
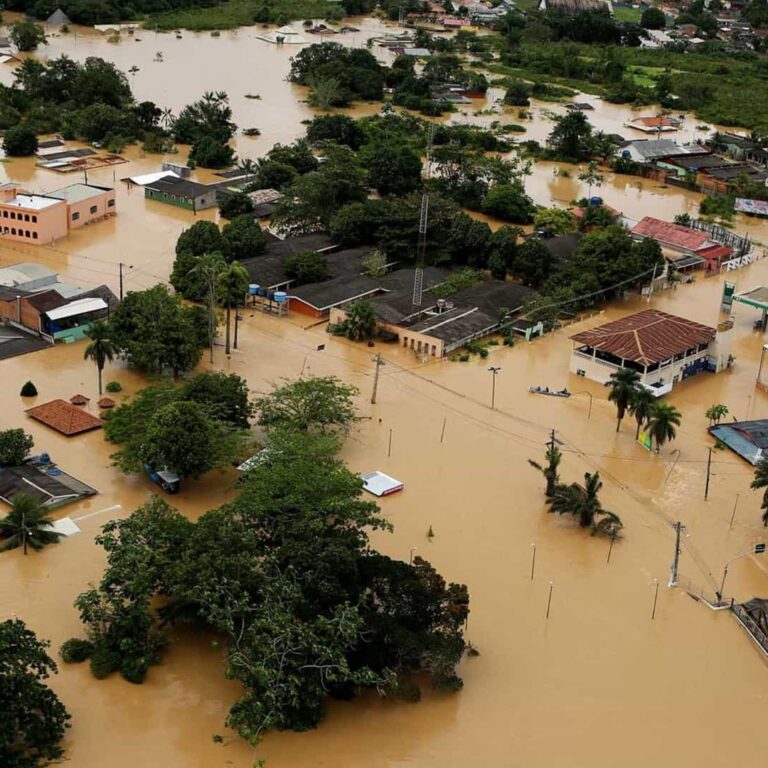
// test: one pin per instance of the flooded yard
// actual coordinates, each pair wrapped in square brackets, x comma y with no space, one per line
[599,683]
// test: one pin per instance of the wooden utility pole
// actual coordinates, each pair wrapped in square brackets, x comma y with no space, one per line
[379,362]
[709,466]
[676,560]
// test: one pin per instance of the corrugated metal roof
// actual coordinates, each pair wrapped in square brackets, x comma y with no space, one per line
[81,307]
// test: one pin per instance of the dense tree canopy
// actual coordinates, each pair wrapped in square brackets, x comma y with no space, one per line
[34,720]
[287,575]
[156,333]
[15,445]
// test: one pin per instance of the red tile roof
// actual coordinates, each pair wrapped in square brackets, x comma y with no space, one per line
[106,402]
[646,337]
[674,235]
[78,399]
[64,417]
[655,122]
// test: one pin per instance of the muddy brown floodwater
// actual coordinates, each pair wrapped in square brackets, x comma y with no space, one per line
[599,684]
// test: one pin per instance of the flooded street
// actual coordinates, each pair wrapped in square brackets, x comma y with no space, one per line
[598,684]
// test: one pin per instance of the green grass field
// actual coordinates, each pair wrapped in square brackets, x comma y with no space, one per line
[624,13]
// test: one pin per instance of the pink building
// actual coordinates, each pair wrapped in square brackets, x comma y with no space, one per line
[36,219]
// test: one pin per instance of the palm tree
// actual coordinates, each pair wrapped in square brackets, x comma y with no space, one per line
[761,481]
[166,117]
[583,502]
[27,524]
[101,349]
[663,423]
[641,407]
[232,286]
[247,165]
[716,412]
[623,384]
[550,471]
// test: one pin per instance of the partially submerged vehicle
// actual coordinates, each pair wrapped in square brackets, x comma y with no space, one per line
[169,481]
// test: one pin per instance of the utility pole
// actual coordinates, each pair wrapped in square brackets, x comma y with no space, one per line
[676,561]
[121,265]
[237,320]
[24,530]
[551,442]
[494,369]
[379,362]
[709,466]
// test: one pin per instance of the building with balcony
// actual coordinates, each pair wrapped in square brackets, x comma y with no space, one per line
[662,348]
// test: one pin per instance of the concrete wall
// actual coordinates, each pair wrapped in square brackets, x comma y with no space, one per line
[92,209]
[33,226]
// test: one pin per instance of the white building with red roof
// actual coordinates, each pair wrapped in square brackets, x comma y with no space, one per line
[662,348]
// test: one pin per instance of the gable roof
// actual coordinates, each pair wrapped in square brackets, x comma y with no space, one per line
[653,148]
[675,235]
[64,417]
[646,337]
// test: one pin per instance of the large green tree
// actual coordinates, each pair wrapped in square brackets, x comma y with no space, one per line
[156,333]
[15,445]
[34,719]
[663,424]
[307,405]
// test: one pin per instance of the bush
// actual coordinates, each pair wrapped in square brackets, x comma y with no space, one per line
[28,390]
[114,386]
[307,267]
[20,141]
[235,204]
[15,445]
[75,650]
[134,670]
[104,662]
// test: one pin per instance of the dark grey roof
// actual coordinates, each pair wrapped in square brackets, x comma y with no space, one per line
[318,241]
[266,271]
[695,162]
[734,171]
[617,139]
[233,173]
[14,342]
[562,247]
[11,294]
[494,296]
[461,326]
[181,187]
[323,296]
[655,148]
[742,142]
[58,18]
[40,485]
[100,292]
[50,143]
[47,300]
[263,210]
[68,153]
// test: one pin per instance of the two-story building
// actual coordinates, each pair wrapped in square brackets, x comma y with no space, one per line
[662,348]
[38,219]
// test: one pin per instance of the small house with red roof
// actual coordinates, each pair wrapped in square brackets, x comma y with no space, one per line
[662,348]
[684,246]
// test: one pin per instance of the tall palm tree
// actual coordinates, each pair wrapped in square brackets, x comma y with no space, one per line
[101,349]
[761,481]
[232,286]
[583,502]
[623,385]
[662,426]
[641,407]
[550,471]
[27,524]
[247,165]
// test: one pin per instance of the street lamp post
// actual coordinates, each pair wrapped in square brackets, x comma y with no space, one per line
[494,369]
[758,549]
[589,395]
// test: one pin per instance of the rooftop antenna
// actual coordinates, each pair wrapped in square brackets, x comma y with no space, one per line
[421,248]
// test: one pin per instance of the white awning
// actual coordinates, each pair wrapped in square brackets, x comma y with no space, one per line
[81,307]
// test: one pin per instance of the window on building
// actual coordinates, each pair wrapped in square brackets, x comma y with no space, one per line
[34,235]
[34,219]
[5,214]
[26,217]
[13,214]
[110,203]
[94,208]
[75,216]
[13,230]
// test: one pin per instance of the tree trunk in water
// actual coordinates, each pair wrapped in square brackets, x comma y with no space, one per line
[100,370]
[618,423]
[637,434]
[229,311]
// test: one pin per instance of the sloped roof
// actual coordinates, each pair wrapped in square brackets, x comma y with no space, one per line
[64,417]
[646,337]
[668,233]
[58,18]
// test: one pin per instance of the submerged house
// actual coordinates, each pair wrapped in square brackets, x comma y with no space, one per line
[662,348]
[749,439]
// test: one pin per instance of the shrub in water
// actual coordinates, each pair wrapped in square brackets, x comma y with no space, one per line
[103,663]
[134,670]
[29,390]
[114,386]
[75,650]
